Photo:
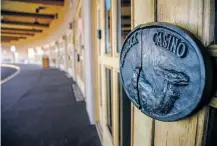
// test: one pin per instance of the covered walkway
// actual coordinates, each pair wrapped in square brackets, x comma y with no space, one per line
[39,109]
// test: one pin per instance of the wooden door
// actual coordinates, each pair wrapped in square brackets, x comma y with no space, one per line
[194,15]
[70,53]
[65,55]
[99,107]
[73,50]
[56,46]
[61,54]
[113,110]
[53,55]
[107,70]
[123,124]
[79,48]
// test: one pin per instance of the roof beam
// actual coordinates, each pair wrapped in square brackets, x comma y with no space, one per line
[12,37]
[9,39]
[24,23]
[44,2]
[16,34]
[5,41]
[26,15]
[21,30]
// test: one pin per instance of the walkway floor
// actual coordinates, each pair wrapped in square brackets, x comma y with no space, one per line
[39,109]
[6,71]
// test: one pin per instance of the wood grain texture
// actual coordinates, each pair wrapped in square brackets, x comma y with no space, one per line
[142,125]
[178,133]
[202,124]
[115,109]
[96,67]
[185,13]
[189,15]
[143,11]
[143,129]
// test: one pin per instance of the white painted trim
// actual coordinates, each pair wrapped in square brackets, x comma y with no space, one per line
[11,76]
[88,60]
[61,66]
[81,85]
[99,133]
[70,71]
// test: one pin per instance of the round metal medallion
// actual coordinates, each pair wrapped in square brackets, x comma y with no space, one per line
[165,71]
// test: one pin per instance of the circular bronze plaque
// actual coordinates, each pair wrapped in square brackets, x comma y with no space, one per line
[165,71]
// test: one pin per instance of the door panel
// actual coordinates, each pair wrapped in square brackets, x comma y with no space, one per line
[142,131]
[186,14]
[179,133]
[99,108]
[79,48]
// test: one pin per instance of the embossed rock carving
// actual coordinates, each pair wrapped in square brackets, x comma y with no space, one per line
[161,101]
[151,99]
[132,85]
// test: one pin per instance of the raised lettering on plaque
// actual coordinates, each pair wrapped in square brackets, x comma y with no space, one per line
[164,70]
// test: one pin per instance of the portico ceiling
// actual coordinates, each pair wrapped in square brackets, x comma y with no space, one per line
[22,19]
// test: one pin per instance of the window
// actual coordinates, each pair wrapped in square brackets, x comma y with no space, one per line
[124,21]
[120,105]
[124,116]
[212,127]
[109,98]
[108,23]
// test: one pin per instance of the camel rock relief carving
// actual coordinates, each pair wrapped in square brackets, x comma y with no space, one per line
[154,99]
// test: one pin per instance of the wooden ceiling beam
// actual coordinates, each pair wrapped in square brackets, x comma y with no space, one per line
[5,41]
[8,39]
[24,24]
[12,37]
[26,15]
[16,34]
[21,30]
[44,2]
